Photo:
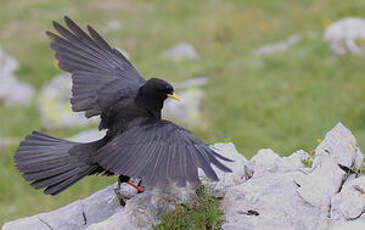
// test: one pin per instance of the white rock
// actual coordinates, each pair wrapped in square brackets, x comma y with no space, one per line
[193,82]
[12,92]
[226,180]
[295,160]
[268,201]
[54,105]
[77,215]
[349,225]
[89,136]
[187,110]
[146,209]
[349,204]
[282,195]
[8,64]
[181,51]
[278,47]
[322,183]
[265,160]
[341,35]
[341,145]
[114,25]
[119,221]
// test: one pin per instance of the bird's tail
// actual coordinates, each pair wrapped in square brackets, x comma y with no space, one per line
[47,162]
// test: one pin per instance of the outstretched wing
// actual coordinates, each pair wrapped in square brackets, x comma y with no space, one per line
[101,75]
[160,152]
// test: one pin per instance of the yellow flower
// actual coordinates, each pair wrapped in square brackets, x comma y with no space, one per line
[326,23]
[217,45]
[55,63]
[319,140]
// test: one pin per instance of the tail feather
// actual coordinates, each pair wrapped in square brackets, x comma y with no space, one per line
[54,179]
[29,176]
[57,188]
[47,162]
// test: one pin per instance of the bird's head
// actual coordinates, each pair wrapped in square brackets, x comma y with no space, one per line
[154,92]
[158,90]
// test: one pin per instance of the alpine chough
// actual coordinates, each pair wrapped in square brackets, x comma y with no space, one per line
[138,143]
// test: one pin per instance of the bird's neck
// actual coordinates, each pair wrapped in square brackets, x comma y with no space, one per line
[152,106]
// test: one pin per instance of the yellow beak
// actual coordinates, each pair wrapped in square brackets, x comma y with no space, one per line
[174,96]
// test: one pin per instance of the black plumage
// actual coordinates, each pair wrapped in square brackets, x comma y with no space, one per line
[138,142]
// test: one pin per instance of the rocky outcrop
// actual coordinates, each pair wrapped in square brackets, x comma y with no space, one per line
[283,194]
[12,91]
[54,105]
[277,47]
[344,36]
[181,51]
[265,192]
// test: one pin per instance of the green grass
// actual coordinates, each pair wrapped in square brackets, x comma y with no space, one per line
[203,214]
[284,101]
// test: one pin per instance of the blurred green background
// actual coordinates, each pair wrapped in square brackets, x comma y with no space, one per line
[284,101]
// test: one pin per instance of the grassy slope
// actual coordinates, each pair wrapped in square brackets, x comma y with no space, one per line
[283,101]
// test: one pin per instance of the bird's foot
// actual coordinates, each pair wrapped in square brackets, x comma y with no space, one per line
[126,179]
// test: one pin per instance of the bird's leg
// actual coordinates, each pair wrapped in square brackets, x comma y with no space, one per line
[140,189]
[118,194]
[125,179]
[139,184]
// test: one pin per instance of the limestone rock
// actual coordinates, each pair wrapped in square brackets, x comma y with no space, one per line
[283,194]
[77,215]
[114,25]
[226,180]
[349,225]
[144,210]
[265,160]
[268,201]
[181,51]
[341,145]
[342,36]
[193,82]
[349,204]
[54,105]
[277,47]
[186,111]
[12,92]
[89,135]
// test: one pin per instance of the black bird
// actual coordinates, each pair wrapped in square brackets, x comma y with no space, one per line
[138,143]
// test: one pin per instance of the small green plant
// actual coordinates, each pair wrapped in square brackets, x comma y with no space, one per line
[362,168]
[360,42]
[308,162]
[203,214]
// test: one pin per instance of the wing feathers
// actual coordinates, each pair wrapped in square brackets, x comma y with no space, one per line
[212,159]
[96,64]
[160,152]
[181,180]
